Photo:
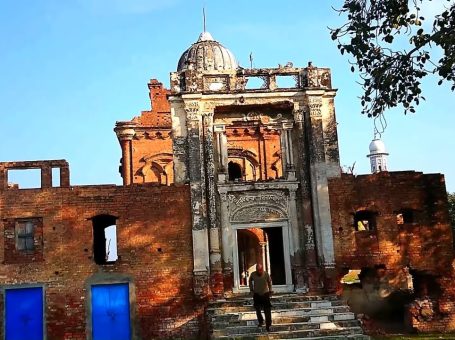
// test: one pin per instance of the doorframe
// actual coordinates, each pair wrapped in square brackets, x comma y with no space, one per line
[285,230]
[4,288]
[110,279]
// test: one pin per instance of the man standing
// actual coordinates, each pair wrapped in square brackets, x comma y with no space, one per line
[261,288]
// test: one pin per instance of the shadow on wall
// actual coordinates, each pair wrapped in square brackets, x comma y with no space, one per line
[379,295]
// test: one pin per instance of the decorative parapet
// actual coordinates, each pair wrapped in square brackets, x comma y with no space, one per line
[282,78]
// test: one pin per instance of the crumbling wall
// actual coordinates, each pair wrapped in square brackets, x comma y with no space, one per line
[154,252]
[434,312]
[407,241]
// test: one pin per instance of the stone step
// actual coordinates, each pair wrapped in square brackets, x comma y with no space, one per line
[261,333]
[293,316]
[280,308]
[332,337]
[292,297]
[221,324]
[277,302]
[285,327]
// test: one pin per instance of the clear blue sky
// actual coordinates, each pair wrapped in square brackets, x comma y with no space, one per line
[70,69]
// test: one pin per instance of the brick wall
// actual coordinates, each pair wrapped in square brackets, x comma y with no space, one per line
[425,244]
[421,248]
[154,249]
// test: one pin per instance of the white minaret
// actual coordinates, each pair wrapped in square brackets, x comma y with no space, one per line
[378,155]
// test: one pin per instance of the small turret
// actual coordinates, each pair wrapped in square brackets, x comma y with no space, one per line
[378,155]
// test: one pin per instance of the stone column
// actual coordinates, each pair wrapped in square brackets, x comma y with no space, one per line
[263,254]
[196,175]
[319,183]
[222,154]
[290,167]
[125,133]
[227,242]
[216,275]
[284,152]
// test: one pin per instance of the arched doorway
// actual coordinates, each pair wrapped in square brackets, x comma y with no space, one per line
[265,245]
[234,171]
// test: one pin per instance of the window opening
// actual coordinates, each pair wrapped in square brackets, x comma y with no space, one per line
[405,216]
[254,83]
[55,177]
[365,220]
[234,171]
[25,178]
[286,82]
[104,239]
[25,235]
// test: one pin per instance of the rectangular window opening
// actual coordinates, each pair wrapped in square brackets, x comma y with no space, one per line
[104,239]
[406,216]
[255,83]
[286,82]
[365,220]
[55,177]
[24,178]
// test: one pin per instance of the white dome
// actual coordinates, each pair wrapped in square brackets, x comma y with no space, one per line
[377,146]
[207,54]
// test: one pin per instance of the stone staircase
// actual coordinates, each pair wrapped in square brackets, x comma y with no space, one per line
[294,317]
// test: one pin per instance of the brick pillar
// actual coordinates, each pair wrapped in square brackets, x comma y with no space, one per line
[3,178]
[126,161]
[46,177]
[64,176]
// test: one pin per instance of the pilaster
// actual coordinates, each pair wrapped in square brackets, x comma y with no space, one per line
[216,277]
[198,199]
[319,183]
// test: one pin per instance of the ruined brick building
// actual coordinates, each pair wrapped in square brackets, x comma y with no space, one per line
[230,167]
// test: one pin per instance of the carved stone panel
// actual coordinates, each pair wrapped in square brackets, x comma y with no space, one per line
[315,105]
[258,206]
[192,109]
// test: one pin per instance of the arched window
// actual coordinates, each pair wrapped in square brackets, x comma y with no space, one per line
[104,239]
[234,171]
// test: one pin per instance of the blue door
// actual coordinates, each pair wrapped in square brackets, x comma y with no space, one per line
[111,312]
[24,314]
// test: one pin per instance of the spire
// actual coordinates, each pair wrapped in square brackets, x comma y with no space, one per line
[203,16]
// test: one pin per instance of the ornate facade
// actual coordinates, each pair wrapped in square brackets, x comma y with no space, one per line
[255,158]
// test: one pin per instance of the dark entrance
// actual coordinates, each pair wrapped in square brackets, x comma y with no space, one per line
[261,245]
[277,268]
[234,171]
